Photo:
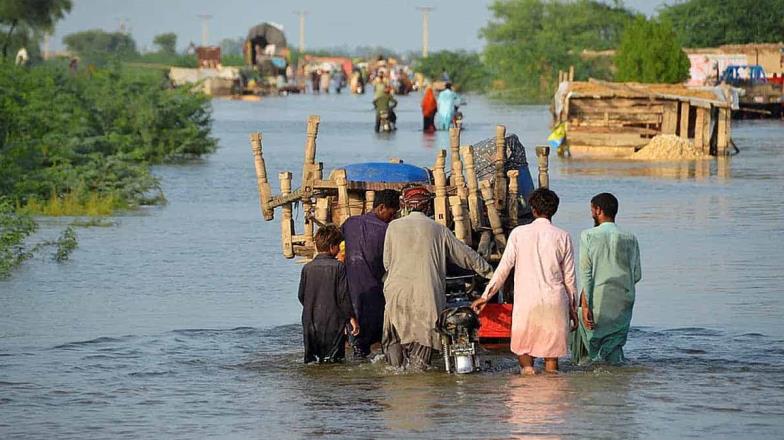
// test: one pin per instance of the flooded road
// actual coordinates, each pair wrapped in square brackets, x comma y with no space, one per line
[181,321]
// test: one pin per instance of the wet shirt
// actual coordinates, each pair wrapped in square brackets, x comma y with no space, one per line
[416,251]
[326,307]
[609,270]
[544,287]
[364,235]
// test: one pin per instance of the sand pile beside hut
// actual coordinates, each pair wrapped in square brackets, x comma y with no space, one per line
[669,147]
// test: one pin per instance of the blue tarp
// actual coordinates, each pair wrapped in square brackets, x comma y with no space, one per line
[387,172]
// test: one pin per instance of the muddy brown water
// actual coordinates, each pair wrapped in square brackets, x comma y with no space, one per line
[181,321]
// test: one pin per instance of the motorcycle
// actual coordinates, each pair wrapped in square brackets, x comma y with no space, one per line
[384,124]
[458,326]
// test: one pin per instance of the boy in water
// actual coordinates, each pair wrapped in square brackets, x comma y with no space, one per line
[326,306]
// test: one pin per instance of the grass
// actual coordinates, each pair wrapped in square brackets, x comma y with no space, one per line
[74,204]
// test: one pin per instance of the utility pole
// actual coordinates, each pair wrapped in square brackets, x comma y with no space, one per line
[301,15]
[205,28]
[425,29]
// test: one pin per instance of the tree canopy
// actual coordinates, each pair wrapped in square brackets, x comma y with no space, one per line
[711,23]
[29,17]
[528,41]
[97,46]
[465,69]
[167,43]
[649,52]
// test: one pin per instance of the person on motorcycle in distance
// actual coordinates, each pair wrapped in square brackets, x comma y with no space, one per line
[385,103]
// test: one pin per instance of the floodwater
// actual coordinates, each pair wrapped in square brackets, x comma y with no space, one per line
[182,320]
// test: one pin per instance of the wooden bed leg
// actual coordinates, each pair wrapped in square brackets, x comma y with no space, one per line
[440,203]
[500,163]
[474,201]
[286,221]
[542,153]
[492,215]
[265,193]
[512,203]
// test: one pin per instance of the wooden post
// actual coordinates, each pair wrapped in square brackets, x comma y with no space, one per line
[310,147]
[440,207]
[370,197]
[322,209]
[670,118]
[265,193]
[706,131]
[512,201]
[723,132]
[286,221]
[683,131]
[699,132]
[542,153]
[500,162]
[462,231]
[474,202]
[454,146]
[571,73]
[492,215]
[343,202]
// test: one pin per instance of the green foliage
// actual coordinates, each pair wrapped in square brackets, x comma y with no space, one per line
[167,43]
[100,47]
[31,17]
[87,140]
[650,53]
[14,229]
[711,23]
[466,69]
[231,46]
[66,243]
[529,41]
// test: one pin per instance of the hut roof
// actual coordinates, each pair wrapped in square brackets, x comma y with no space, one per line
[701,96]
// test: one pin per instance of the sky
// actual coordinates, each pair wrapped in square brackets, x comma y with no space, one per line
[395,24]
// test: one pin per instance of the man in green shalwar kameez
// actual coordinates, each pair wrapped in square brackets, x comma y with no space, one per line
[609,270]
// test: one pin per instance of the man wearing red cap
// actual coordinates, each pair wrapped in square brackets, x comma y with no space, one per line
[416,251]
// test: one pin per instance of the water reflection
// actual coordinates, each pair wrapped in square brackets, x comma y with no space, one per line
[697,170]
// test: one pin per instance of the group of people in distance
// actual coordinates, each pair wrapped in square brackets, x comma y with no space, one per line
[391,286]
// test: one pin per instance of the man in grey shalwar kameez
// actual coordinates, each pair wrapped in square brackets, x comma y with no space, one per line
[416,250]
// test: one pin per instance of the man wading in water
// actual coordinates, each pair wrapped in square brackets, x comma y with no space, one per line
[416,250]
[364,235]
[544,286]
[609,270]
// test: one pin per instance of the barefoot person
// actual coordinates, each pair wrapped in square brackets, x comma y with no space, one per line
[416,251]
[364,236]
[326,306]
[609,270]
[544,286]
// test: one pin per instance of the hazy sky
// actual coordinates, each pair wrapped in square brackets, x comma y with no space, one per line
[395,24]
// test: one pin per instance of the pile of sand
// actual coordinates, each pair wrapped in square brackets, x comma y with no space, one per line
[669,147]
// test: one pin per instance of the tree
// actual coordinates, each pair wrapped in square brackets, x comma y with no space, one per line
[711,23]
[650,53]
[232,46]
[167,43]
[528,41]
[37,16]
[466,69]
[98,46]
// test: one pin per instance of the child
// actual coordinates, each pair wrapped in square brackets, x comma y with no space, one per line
[323,292]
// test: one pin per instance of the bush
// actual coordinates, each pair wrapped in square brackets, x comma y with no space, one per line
[466,69]
[650,53]
[72,137]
